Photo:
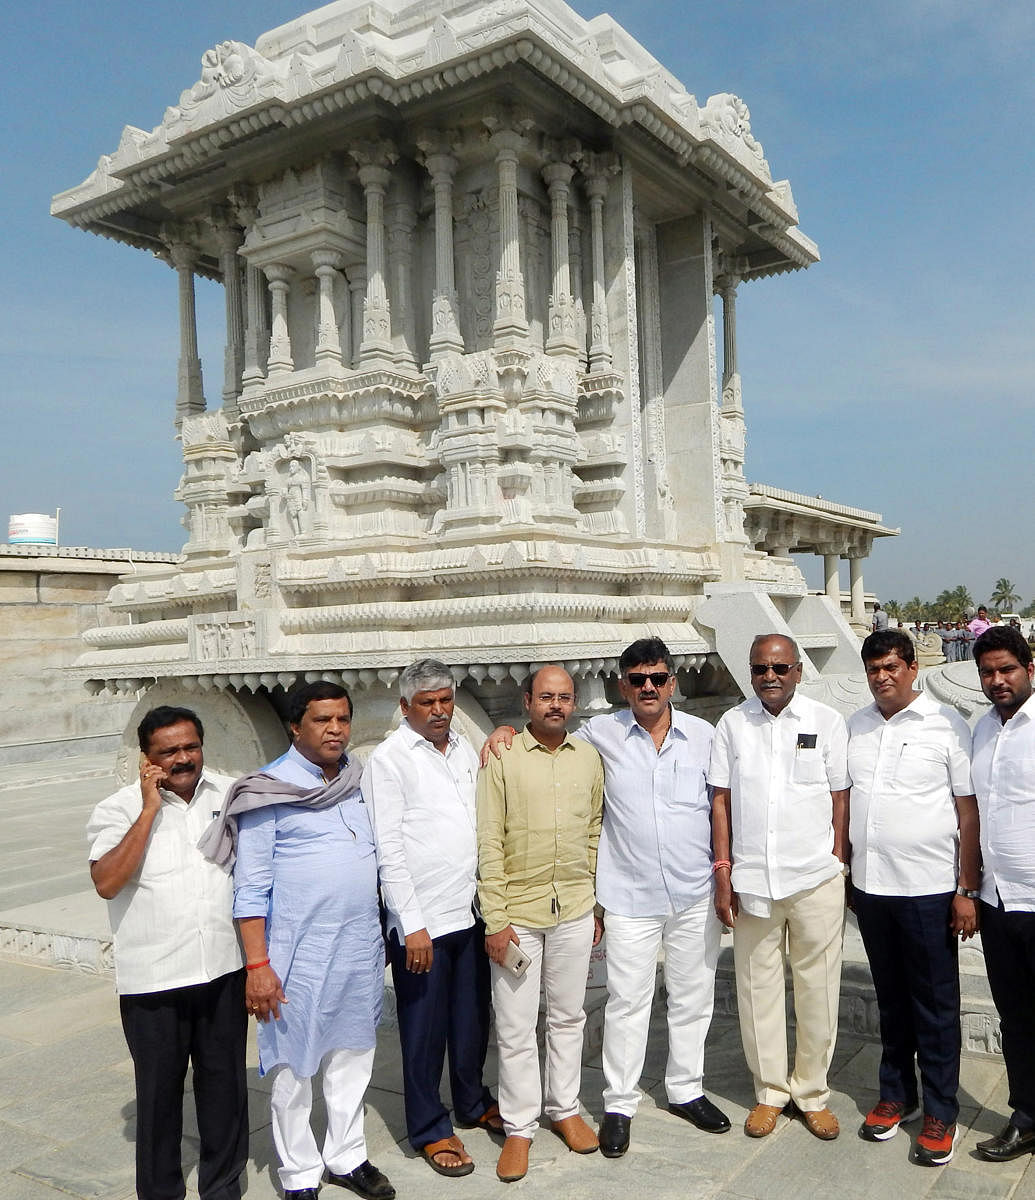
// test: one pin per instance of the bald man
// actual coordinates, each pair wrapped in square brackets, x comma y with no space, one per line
[539,812]
[779,770]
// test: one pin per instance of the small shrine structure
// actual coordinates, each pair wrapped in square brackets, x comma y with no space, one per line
[480,395]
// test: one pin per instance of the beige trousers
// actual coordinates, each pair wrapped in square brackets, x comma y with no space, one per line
[811,926]
[560,962]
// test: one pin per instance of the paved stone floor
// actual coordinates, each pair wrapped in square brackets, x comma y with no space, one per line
[66,1085]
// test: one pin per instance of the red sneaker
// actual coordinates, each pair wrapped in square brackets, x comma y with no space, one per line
[883,1120]
[936,1143]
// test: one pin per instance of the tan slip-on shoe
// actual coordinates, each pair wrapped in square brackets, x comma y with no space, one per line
[761,1120]
[576,1134]
[822,1123]
[513,1159]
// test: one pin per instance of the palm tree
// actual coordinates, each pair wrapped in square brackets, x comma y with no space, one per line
[1003,597]
[953,602]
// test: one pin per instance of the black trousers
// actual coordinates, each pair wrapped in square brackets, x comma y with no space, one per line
[205,1025]
[915,967]
[1008,939]
[448,1006]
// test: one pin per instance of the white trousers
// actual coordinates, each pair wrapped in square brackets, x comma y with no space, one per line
[812,924]
[691,941]
[560,962]
[346,1074]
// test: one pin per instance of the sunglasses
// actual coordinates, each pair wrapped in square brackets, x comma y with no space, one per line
[781,669]
[639,678]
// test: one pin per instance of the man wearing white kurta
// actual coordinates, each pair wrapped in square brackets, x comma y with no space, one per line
[780,818]
[306,904]
[420,787]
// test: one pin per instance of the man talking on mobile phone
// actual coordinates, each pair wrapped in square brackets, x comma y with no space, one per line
[539,812]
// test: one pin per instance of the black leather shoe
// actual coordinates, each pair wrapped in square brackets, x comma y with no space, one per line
[366,1181]
[1010,1143]
[614,1134]
[702,1113]
[301,1194]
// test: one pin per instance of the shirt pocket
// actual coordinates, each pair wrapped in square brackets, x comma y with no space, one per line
[809,767]
[920,768]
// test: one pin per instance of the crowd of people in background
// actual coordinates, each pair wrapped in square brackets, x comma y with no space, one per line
[957,634]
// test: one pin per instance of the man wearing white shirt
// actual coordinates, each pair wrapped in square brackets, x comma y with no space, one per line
[780,823]
[654,884]
[915,872]
[1003,768]
[420,785]
[178,966]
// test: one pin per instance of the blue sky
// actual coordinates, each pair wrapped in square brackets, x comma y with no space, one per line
[896,375]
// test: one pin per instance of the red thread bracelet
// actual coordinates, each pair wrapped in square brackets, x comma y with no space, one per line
[720,863]
[255,966]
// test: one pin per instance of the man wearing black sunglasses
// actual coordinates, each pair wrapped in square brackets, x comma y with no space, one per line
[779,827]
[654,886]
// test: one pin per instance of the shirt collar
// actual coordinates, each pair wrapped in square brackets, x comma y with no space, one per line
[204,784]
[793,708]
[529,742]
[413,739]
[634,729]
[920,707]
[1026,711]
[316,771]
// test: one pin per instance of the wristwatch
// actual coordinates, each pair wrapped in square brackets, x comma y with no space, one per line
[962,891]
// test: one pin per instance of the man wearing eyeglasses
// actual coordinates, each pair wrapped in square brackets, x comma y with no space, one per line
[654,886]
[780,828]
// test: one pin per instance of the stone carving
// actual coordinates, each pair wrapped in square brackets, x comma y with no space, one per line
[202,428]
[726,119]
[296,495]
[225,638]
[232,75]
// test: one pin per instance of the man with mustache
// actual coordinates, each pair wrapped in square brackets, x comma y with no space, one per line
[538,826]
[1003,769]
[420,787]
[780,825]
[915,874]
[178,966]
[305,899]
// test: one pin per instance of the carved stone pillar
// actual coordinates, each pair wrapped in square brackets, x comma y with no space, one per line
[855,575]
[327,263]
[401,222]
[280,360]
[562,319]
[256,328]
[728,292]
[190,396]
[373,159]
[733,433]
[445,323]
[596,169]
[229,238]
[511,325]
[831,577]
[357,280]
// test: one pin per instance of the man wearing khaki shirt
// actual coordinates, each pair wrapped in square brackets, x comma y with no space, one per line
[539,813]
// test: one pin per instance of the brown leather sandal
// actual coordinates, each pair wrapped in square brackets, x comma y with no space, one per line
[490,1120]
[453,1147]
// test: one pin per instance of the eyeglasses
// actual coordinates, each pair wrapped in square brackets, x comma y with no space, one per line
[781,669]
[639,678]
